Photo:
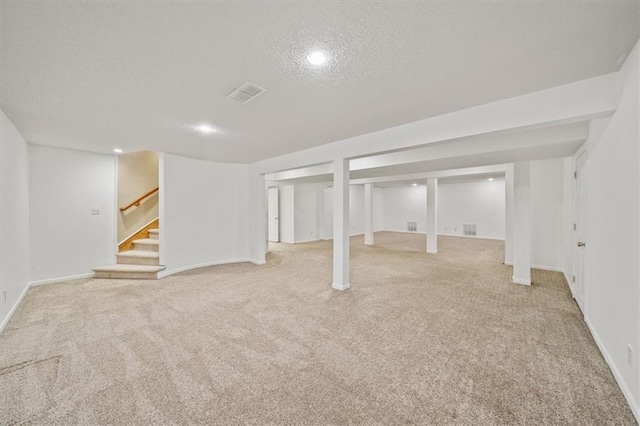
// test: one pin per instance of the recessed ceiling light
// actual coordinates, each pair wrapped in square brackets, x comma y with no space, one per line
[317,58]
[415,184]
[490,179]
[206,129]
[117,150]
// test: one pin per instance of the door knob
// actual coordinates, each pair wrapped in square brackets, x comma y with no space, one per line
[581,244]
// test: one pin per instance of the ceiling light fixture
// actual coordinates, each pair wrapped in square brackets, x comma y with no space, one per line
[415,184]
[206,129]
[317,58]
[490,179]
[117,150]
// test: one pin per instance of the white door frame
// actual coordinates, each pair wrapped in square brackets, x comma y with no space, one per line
[580,235]
[273,214]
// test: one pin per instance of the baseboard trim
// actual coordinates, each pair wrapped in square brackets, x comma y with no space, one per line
[61,279]
[403,232]
[144,226]
[341,287]
[258,262]
[331,238]
[307,241]
[167,273]
[635,409]
[471,236]
[521,281]
[444,235]
[570,284]
[14,308]
[544,268]
[548,268]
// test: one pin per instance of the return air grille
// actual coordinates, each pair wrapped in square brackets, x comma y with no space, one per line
[246,92]
[468,229]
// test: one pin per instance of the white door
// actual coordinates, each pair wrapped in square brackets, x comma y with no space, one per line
[274,221]
[580,228]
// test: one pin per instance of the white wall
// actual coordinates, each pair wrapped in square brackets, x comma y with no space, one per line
[547,214]
[327,217]
[404,204]
[481,203]
[612,305]
[204,217]
[14,218]
[356,211]
[308,212]
[66,240]
[378,209]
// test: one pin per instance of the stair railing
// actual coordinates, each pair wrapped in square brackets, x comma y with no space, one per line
[139,200]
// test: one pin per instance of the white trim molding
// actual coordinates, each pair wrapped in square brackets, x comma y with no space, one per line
[141,228]
[635,409]
[548,268]
[166,273]
[341,287]
[14,308]
[61,279]
[521,281]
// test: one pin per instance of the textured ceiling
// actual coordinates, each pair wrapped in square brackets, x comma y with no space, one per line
[96,75]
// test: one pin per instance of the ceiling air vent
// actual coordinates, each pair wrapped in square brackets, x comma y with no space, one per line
[246,92]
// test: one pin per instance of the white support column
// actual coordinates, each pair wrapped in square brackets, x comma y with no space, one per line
[341,224]
[522,223]
[368,214]
[258,239]
[432,215]
[508,215]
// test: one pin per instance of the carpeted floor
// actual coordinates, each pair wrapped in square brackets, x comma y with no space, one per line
[428,339]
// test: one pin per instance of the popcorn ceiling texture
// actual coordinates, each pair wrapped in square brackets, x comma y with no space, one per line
[88,75]
[436,339]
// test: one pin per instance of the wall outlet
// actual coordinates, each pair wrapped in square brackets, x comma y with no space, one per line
[630,355]
[4,296]
[95,212]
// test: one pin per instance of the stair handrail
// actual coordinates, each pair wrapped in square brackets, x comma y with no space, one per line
[139,199]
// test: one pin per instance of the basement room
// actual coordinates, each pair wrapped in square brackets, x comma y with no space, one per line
[320,213]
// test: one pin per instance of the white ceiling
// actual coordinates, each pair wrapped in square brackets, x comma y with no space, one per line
[96,75]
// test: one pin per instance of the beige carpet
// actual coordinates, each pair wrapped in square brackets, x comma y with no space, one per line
[428,339]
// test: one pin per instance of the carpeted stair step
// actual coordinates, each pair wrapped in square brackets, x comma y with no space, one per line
[146,244]
[125,271]
[138,257]
[154,233]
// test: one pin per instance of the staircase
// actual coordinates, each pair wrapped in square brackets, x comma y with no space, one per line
[143,262]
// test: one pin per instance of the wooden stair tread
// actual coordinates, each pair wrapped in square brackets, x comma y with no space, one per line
[147,241]
[139,253]
[124,267]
